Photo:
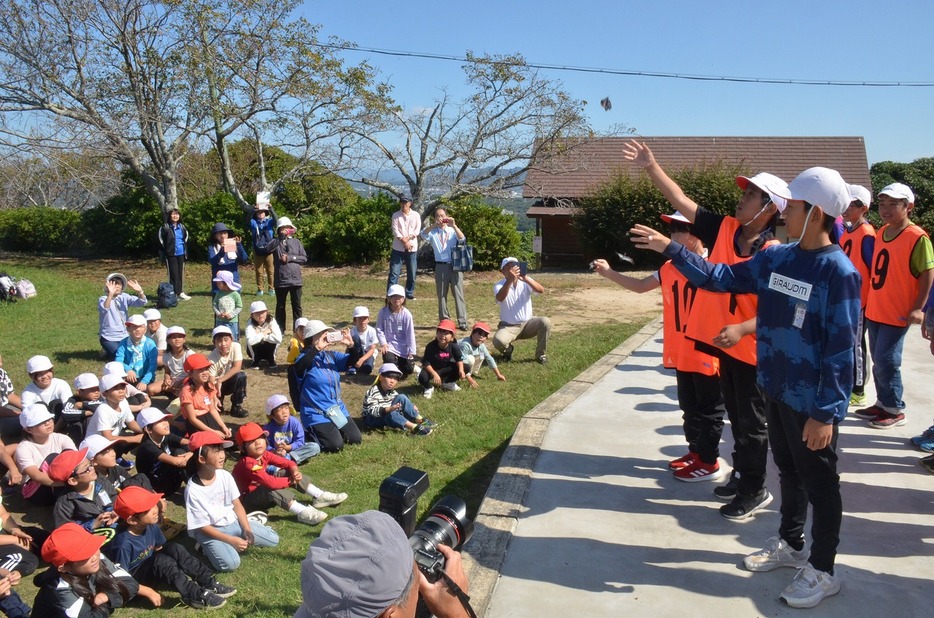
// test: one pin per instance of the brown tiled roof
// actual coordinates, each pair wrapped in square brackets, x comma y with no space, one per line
[588,163]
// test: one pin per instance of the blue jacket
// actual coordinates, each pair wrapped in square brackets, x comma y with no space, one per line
[321,386]
[807,320]
[141,358]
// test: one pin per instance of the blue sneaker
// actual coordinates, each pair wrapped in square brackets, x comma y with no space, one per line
[925,441]
[352,371]
[125,463]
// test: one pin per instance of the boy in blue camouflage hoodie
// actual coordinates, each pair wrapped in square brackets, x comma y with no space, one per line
[808,312]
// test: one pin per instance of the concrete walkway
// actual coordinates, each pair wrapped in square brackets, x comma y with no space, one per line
[584,519]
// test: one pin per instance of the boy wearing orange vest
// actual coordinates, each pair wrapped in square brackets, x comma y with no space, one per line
[696,373]
[858,240]
[901,276]
[719,322]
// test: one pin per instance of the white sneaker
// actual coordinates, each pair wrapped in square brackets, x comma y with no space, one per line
[258,516]
[810,587]
[184,296]
[311,516]
[450,386]
[428,392]
[328,499]
[776,553]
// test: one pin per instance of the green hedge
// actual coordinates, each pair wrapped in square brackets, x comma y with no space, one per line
[40,229]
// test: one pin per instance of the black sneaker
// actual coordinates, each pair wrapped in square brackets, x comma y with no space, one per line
[222,590]
[237,411]
[507,353]
[743,506]
[727,491]
[207,600]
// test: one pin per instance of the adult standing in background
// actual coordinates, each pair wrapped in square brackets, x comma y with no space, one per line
[288,256]
[263,230]
[406,226]
[224,256]
[443,236]
[173,238]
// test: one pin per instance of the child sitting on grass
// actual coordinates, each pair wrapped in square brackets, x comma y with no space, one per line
[162,456]
[443,362]
[263,335]
[198,399]
[173,363]
[139,354]
[297,342]
[216,518]
[264,479]
[384,407]
[35,451]
[365,343]
[80,407]
[81,582]
[136,398]
[85,501]
[45,387]
[113,418]
[286,435]
[475,351]
[10,405]
[142,549]
[112,477]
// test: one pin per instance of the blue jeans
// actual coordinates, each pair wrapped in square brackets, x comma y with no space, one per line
[233,326]
[396,418]
[395,270]
[222,556]
[304,452]
[109,348]
[885,347]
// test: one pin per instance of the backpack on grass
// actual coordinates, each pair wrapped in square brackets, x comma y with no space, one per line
[25,288]
[165,296]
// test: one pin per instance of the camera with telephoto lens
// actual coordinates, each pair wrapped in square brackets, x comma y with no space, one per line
[446,523]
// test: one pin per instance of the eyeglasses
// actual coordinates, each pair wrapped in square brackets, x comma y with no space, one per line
[78,473]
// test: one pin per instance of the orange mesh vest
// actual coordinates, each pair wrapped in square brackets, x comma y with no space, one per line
[892,287]
[714,310]
[678,351]
[852,244]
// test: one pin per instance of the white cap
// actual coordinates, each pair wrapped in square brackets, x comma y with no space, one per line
[115,368]
[258,305]
[38,363]
[361,311]
[221,330]
[823,187]
[770,183]
[314,327]
[300,323]
[395,290]
[111,380]
[274,402]
[86,380]
[675,216]
[899,191]
[152,314]
[136,320]
[861,193]
[96,443]
[174,330]
[507,260]
[119,276]
[148,416]
[284,222]
[33,415]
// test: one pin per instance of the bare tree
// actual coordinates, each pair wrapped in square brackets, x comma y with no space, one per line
[481,145]
[146,80]
[70,180]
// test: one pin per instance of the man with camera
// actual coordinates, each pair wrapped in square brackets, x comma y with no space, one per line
[514,297]
[363,566]
[443,236]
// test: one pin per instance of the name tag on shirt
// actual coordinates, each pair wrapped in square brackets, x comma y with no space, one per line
[790,287]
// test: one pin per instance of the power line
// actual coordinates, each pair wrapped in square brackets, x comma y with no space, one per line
[633,73]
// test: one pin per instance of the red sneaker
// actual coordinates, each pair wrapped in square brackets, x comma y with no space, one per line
[682,462]
[699,471]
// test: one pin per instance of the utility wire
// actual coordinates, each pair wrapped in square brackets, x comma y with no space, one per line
[632,73]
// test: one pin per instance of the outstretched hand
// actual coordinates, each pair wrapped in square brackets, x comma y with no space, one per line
[638,153]
[644,237]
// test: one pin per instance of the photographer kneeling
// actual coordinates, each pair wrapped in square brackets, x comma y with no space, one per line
[362,566]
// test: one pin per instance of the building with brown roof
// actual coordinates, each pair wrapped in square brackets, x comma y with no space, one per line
[558,181]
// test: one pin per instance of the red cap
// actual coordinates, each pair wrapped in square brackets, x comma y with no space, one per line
[133,500]
[196,362]
[206,438]
[248,433]
[63,466]
[482,326]
[447,325]
[70,543]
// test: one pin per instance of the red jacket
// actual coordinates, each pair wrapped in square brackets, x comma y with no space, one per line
[250,473]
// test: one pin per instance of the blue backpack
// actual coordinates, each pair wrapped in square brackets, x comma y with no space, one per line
[165,296]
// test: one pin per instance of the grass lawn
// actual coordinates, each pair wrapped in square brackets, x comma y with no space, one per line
[460,456]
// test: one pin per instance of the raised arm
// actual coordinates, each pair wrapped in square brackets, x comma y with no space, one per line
[641,155]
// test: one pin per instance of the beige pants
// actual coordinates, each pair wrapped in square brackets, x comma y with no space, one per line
[264,262]
[507,333]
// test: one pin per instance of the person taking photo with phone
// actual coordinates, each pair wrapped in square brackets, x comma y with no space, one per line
[443,235]
[514,296]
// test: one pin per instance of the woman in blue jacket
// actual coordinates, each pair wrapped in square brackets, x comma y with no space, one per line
[173,240]
[221,259]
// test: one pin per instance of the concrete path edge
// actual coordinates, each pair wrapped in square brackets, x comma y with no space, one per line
[502,504]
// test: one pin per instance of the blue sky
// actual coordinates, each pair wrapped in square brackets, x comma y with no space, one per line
[891,41]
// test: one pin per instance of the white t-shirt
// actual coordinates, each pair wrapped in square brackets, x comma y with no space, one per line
[58,389]
[367,337]
[176,366]
[219,365]
[28,453]
[159,337]
[211,505]
[516,308]
[106,418]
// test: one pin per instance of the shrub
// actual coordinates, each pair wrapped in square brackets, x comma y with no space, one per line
[360,233]
[919,175]
[607,215]
[40,229]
